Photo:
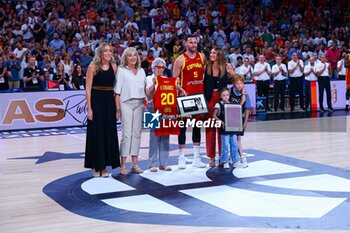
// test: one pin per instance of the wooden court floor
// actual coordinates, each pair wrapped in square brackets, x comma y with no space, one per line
[25,208]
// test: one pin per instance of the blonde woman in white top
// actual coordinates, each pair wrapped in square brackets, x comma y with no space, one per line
[130,94]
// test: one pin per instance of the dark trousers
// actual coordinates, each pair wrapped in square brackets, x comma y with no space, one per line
[324,84]
[280,90]
[341,77]
[196,135]
[296,86]
[263,90]
[308,93]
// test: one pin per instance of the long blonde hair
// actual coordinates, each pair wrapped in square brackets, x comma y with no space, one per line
[97,61]
[221,63]
[126,53]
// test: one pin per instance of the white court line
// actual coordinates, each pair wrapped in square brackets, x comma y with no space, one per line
[75,136]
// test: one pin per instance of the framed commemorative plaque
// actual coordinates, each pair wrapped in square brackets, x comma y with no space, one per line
[192,105]
[233,118]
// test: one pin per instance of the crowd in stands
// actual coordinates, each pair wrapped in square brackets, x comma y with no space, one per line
[56,40]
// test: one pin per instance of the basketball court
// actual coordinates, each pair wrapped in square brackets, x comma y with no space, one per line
[298,180]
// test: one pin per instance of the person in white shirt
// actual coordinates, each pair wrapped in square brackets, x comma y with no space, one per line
[156,49]
[262,72]
[341,67]
[332,41]
[27,30]
[130,93]
[295,70]
[279,73]
[248,54]
[323,71]
[21,7]
[315,55]
[233,56]
[319,39]
[246,70]
[219,35]
[310,77]
[306,55]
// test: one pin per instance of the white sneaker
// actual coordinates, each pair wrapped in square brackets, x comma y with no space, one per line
[182,162]
[238,164]
[244,162]
[197,162]
[226,165]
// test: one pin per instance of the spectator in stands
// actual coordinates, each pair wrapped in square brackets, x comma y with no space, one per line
[246,70]
[235,37]
[233,56]
[38,54]
[78,79]
[219,35]
[156,49]
[85,42]
[150,57]
[248,53]
[57,44]
[33,76]
[85,59]
[13,68]
[306,55]
[60,77]
[4,80]
[68,65]
[333,56]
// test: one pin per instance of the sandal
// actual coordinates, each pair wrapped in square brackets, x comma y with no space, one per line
[136,169]
[165,168]
[123,170]
[105,173]
[212,163]
[95,173]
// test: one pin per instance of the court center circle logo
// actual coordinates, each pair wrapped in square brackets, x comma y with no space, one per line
[273,192]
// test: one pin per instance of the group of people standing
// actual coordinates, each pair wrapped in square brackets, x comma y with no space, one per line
[118,93]
[299,73]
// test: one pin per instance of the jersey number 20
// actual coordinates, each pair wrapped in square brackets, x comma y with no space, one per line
[167,98]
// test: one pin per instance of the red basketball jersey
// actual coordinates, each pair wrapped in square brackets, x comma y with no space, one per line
[164,100]
[192,74]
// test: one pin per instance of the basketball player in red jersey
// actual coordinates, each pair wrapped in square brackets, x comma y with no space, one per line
[347,78]
[189,68]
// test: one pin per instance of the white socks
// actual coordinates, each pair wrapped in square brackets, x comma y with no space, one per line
[181,152]
[196,150]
